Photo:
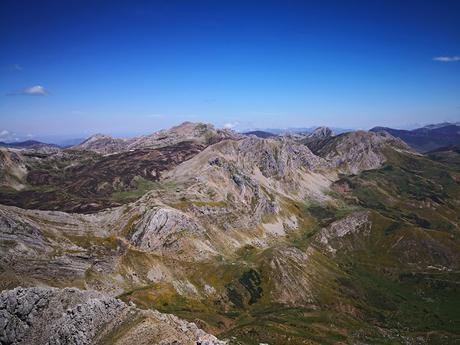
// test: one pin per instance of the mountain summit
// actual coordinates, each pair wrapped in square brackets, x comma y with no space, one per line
[199,133]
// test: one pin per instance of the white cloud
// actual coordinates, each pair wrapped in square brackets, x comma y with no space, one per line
[231,125]
[36,90]
[4,133]
[446,58]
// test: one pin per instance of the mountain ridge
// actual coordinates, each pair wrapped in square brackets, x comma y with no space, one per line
[426,138]
[299,238]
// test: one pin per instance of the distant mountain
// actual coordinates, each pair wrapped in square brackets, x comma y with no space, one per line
[427,138]
[28,144]
[261,134]
[297,130]
[448,155]
[199,133]
[440,125]
[64,143]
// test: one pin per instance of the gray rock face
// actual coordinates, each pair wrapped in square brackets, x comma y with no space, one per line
[12,169]
[273,157]
[321,133]
[353,223]
[356,151]
[70,316]
[52,316]
[162,227]
[15,228]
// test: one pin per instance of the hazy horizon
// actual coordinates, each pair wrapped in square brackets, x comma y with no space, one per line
[62,139]
[77,68]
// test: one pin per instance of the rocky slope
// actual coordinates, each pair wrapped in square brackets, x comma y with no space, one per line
[354,152]
[103,144]
[202,134]
[12,169]
[71,316]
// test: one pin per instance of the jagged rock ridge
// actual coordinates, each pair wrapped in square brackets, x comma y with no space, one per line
[73,317]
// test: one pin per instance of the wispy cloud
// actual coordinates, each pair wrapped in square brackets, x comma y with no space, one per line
[4,134]
[17,67]
[447,58]
[231,125]
[36,90]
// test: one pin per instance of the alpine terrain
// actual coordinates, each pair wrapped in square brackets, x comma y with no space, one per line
[200,235]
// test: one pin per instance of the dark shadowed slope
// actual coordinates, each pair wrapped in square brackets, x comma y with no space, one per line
[261,134]
[98,182]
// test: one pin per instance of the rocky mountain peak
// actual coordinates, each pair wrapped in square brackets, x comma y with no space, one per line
[357,151]
[199,133]
[322,132]
[101,143]
[272,156]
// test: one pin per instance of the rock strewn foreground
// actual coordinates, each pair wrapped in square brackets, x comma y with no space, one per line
[74,317]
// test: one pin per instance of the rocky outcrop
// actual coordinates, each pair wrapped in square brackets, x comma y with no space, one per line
[162,228]
[292,271]
[70,316]
[354,223]
[13,170]
[168,230]
[273,158]
[356,151]
[276,158]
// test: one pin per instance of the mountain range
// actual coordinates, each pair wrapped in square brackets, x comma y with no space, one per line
[199,235]
[427,138]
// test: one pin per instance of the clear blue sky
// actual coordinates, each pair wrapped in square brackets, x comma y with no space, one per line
[73,67]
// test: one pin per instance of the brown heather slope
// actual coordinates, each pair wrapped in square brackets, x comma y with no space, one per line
[90,186]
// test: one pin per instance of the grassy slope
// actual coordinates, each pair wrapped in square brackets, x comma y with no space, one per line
[398,283]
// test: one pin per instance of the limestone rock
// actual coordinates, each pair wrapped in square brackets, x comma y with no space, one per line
[70,316]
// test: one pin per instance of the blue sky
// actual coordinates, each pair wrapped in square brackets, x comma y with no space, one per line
[80,67]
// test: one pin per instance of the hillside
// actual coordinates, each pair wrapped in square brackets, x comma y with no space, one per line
[306,239]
